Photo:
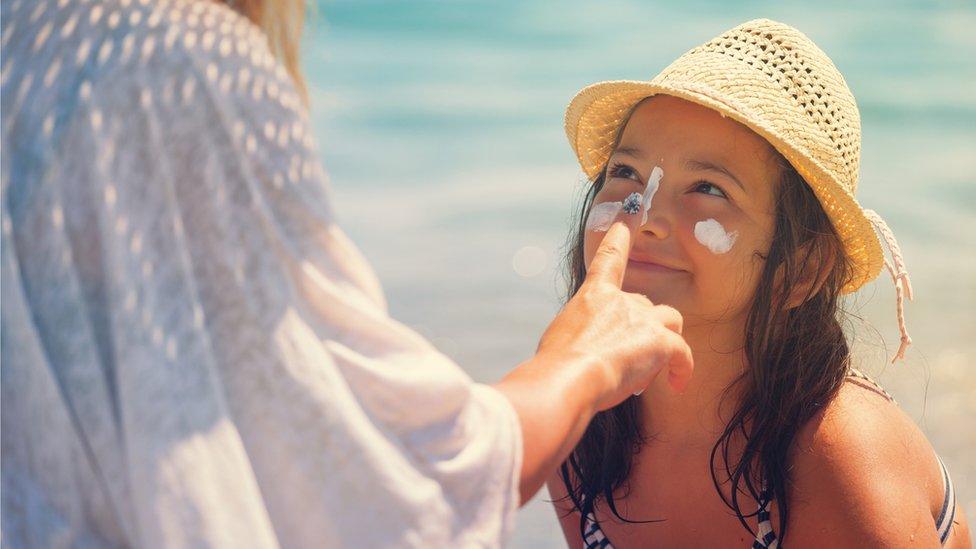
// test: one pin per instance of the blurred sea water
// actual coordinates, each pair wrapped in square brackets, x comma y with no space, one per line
[440,124]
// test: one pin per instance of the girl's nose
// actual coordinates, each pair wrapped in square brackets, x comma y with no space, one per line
[658,223]
[656,218]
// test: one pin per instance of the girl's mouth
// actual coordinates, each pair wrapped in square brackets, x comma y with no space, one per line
[648,266]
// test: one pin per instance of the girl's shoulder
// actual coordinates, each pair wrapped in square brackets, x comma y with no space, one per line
[862,419]
[862,470]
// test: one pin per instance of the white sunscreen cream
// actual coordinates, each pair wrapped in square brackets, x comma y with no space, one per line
[653,183]
[602,214]
[712,235]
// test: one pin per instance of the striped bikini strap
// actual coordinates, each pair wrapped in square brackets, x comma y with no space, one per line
[593,537]
[944,523]
[765,537]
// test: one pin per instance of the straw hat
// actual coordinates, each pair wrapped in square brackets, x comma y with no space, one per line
[776,81]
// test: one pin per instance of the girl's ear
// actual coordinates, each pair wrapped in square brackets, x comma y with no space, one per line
[814,261]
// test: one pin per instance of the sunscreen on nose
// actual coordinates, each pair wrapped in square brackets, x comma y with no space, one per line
[653,182]
[602,215]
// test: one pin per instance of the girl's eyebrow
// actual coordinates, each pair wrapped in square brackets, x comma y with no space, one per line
[704,165]
[629,151]
[691,164]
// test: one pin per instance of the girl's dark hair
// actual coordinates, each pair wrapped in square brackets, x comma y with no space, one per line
[797,360]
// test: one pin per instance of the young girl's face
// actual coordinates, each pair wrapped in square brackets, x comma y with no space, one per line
[714,169]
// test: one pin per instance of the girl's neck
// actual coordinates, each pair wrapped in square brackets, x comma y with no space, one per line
[699,415]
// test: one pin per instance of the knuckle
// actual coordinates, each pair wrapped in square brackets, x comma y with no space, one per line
[670,317]
[639,298]
[609,249]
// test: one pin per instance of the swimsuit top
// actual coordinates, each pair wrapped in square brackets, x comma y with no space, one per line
[766,538]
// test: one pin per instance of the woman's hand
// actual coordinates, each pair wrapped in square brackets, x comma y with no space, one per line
[621,334]
[602,347]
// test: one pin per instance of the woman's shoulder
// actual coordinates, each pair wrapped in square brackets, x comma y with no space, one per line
[862,470]
[71,52]
[86,71]
[95,35]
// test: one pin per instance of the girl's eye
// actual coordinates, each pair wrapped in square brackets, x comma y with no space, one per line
[623,171]
[709,188]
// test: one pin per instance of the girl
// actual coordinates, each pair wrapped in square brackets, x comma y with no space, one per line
[745,154]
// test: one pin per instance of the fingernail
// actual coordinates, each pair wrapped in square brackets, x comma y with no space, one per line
[632,204]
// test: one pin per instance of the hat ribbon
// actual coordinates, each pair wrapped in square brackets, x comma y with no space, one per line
[899,276]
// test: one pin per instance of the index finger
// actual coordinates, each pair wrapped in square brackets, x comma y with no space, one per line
[610,260]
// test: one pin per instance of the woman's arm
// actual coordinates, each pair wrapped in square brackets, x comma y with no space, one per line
[602,347]
[554,403]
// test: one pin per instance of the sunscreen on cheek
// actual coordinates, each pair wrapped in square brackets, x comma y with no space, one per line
[602,215]
[711,234]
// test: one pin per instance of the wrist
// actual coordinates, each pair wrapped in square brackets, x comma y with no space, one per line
[582,380]
[555,397]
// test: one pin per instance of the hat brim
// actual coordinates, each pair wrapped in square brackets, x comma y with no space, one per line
[595,114]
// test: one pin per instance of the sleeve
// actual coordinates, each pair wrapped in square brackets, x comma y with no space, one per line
[264,395]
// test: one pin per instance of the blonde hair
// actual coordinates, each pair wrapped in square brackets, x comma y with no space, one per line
[282,22]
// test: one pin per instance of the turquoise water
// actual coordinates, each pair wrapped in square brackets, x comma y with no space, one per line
[441,127]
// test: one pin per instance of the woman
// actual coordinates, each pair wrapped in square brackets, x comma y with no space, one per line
[746,151]
[193,352]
